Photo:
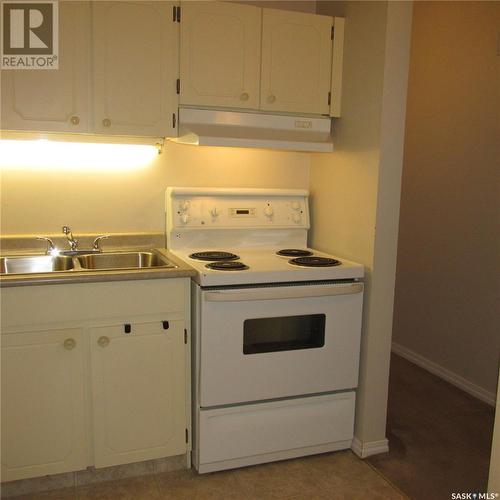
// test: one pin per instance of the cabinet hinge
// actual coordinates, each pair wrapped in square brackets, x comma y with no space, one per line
[187,436]
[333,31]
[174,120]
[178,86]
[185,336]
[329,98]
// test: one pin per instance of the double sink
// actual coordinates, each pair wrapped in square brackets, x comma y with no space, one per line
[109,261]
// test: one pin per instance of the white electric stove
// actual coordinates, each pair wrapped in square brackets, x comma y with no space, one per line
[276,327]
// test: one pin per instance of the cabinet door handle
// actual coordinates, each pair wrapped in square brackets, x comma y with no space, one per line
[69,344]
[103,341]
[271,98]
[75,120]
[244,96]
[106,122]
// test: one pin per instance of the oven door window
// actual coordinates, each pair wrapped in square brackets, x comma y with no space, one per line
[288,333]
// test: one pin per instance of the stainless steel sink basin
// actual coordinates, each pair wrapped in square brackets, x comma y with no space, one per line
[109,261]
[123,260]
[35,264]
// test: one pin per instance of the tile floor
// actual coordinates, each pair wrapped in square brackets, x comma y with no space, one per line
[339,475]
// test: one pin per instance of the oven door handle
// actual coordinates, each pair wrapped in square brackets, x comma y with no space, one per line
[276,293]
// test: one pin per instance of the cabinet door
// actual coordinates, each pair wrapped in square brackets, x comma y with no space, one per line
[53,100]
[337,66]
[139,392]
[220,54]
[43,403]
[296,62]
[135,68]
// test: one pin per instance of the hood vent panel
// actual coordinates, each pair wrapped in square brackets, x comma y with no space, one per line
[254,130]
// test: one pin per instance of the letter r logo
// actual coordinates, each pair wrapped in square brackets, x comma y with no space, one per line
[28,28]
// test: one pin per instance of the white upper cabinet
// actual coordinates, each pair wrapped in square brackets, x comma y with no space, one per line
[220,54]
[296,62]
[135,68]
[240,56]
[337,66]
[53,100]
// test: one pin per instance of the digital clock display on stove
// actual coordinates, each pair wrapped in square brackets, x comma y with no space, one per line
[242,212]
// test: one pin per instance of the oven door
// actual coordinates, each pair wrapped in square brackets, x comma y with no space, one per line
[270,342]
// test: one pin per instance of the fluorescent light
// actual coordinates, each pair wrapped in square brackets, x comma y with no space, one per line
[74,156]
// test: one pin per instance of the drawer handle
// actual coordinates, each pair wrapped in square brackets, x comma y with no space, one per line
[271,98]
[103,341]
[244,96]
[165,324]
[127,327]
[69,344]
[75,120]
[106,122]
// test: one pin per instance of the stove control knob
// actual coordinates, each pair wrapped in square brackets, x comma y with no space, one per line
[184,218]
[295,205]
[184,206]
[296,217]
[214,212]
[268,212]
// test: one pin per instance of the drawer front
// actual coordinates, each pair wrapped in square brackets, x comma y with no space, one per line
[78,302]
[249,430]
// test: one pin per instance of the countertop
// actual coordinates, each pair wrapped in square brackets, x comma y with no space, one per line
[182,270]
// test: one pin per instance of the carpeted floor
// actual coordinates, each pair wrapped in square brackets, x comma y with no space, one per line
[439,436]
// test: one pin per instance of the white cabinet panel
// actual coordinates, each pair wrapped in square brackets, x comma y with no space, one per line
[296,62]
[53,100]
[43,403]
[140,380]
[135,68]
[250,430]
[337,66]
[220,54]
[139,392]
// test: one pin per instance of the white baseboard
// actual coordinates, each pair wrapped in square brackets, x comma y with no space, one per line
[368,448]
[451,377]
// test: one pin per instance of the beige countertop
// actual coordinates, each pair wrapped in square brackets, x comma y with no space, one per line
[181,270]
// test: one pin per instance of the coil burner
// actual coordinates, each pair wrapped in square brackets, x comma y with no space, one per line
[227,265]
[314,262]
[214,255]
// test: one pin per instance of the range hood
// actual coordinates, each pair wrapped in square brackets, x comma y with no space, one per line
[254,130]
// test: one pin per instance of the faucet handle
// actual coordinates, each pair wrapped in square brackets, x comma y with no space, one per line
[97,242]
[73,244]
[50,244]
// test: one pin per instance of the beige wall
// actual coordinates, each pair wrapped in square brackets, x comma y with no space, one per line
[356,189]
[447,291]
[41,201]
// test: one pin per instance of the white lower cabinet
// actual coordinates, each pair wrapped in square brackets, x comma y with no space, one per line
[138,389]
[43,403]
[93,374]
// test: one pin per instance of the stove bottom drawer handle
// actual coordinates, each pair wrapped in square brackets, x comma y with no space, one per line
[282,293]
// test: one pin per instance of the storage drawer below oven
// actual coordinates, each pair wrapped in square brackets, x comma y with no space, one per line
[263,432]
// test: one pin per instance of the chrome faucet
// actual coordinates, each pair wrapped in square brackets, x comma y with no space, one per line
[73,244]
[50,244]
[97,243]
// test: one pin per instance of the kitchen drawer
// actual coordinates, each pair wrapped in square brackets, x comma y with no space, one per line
[274,427]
